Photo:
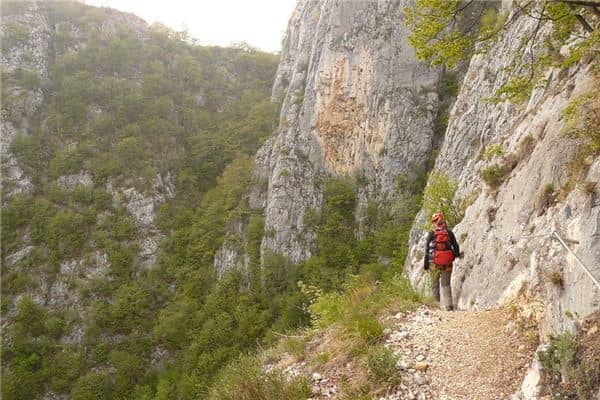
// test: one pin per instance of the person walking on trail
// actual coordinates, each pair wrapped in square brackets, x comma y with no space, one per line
[440,252]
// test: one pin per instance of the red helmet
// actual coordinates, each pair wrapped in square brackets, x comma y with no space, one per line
[437,218]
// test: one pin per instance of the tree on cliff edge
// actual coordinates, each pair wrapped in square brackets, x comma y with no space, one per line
[444,32]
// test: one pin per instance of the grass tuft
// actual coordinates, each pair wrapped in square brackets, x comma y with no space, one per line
[381,365]
[494,175]
[368,327]
[555,277]
[245,379]
[589,187]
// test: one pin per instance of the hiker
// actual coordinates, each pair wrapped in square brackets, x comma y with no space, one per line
[441,249]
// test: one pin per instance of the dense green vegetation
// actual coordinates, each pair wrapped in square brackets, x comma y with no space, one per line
[350,321]
[210,330]
[125,107]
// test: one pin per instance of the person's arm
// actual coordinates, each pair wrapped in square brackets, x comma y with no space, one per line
[454,244]
[426,256]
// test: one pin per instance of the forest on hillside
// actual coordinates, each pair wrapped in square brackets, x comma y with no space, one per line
[124,107]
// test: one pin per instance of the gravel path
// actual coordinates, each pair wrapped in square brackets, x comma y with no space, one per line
[461,355]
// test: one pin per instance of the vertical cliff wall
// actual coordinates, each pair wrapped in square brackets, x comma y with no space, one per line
[354,102]
[505,232]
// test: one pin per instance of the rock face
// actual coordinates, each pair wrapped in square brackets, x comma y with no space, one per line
[143,207]
[505,232]
[355,102]
[25,52]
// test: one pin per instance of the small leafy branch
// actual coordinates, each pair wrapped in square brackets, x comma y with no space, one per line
[440,195]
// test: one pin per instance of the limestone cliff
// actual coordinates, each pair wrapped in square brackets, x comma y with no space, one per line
[355,102]
[505,232]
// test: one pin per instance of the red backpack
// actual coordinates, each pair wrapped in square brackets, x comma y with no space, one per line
[442,252]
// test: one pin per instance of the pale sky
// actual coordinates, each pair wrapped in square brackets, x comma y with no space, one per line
[260,23]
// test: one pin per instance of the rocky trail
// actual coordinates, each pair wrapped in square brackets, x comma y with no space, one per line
[460,355]
[475,355]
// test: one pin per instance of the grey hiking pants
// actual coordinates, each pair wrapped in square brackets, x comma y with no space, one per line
[443,278]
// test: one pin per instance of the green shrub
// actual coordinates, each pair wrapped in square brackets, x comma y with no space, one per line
[376,272]
[92,386]
[122,261]
[15,34]
[567,375]
[493,150]
[318,272]
[14,282]
[580,117]
[32,152]
[131,152]
[55,326]
[128,369]
[105,166]
[245,379]
[20,383]
[255,232]
[276,273]
[100,353]
[312,218]
[66,367]
[69,160]
[561,353]
[102,199]
[293,309]
[16,214]
[83,196]
[131,308]
[494,175]
[28,79]
[381,365]
[327,309]
[30,317]
[123,228]
[440,195]
[449,84]
[66,232]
